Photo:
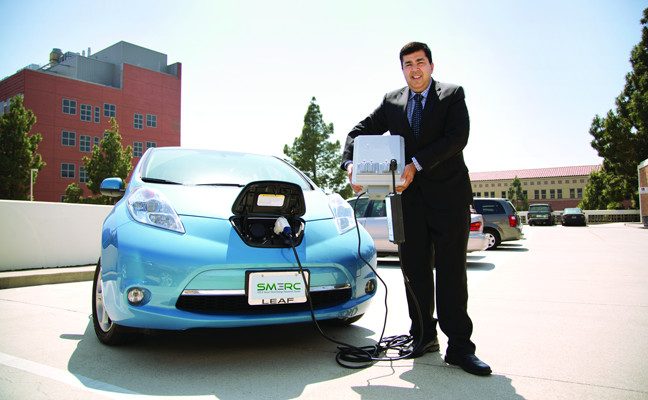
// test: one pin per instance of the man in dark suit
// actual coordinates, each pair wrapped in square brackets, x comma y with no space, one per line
[433,119]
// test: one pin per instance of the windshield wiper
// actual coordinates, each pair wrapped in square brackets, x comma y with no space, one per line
[158,180]
[220,184]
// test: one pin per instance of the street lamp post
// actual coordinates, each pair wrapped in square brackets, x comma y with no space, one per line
[31,183]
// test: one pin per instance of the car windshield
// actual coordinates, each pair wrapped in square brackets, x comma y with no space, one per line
[539,208]
[572,211]
[218,168]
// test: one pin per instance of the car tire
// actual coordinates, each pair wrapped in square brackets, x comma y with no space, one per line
[106,330]
[343,321]
[493,238]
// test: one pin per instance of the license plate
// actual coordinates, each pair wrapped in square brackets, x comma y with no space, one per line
[276,287]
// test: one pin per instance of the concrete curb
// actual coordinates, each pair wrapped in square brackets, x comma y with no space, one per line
[35,277]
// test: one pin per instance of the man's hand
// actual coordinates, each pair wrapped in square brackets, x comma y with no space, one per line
[407,177]
[356,188]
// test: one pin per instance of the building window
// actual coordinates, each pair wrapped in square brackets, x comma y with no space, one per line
[582,181]
[83,175]
[86,112]
[579,193]
[138,121]
[96,114]
[573,180]
[137,149]
[560,193]
[532,183]
[559,182]
[110,110]
[69,106]
[524,192]
[150,144]
[543,194]
[552,193]
[151,121]
[84,143]
[536,194]
[492,194]
[68,139]
[67,170]
[572,193]
[96,140]
[553,182]
[503,194]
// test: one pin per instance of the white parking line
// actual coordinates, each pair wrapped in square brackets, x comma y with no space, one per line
[82,382]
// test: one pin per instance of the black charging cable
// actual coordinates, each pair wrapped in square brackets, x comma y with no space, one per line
[350,356]
[358,357]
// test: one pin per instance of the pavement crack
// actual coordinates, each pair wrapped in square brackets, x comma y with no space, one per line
[573,382]
[43,306]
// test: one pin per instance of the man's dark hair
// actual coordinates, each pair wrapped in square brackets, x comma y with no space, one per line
[413,47]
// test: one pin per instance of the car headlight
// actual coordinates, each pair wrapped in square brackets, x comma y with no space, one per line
[342,213]
[150,207]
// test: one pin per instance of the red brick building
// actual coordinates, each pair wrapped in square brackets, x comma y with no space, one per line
[74,96]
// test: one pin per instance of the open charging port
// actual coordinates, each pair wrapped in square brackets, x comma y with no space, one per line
[257,208]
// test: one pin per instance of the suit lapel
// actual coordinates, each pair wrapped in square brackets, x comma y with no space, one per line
[432,99]
[401,101]
[430,109]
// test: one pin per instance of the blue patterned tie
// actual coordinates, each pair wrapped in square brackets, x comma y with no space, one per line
[416,115]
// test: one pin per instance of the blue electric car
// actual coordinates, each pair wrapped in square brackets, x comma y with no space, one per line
[207,239]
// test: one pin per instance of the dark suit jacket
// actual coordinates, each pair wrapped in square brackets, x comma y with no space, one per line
[444,180]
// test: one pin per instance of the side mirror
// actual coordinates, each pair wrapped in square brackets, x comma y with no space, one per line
[112,187]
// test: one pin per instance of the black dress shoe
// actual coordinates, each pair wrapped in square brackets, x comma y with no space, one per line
[469,363]
[429,346]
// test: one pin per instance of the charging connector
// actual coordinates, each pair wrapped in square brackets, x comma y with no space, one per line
[282,227]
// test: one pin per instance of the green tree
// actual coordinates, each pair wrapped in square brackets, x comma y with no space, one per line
[517,196]
[603,191]
[73,194]
[621,137]
[316,156]
[18,151]
[109,159]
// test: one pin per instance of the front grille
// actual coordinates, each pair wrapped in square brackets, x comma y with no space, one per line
[237,304]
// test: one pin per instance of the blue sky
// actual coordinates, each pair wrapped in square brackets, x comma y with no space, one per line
[535,73]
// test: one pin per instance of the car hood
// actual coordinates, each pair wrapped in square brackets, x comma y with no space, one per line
[217,201]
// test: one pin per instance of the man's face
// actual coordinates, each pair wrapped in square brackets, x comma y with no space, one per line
[417,70]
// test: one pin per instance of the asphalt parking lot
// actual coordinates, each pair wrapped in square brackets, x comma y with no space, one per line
[562,314]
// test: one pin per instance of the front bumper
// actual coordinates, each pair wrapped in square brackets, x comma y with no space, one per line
[210,260]
[477,242]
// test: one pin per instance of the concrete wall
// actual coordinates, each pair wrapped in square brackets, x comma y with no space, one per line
[643,191]
[45,235]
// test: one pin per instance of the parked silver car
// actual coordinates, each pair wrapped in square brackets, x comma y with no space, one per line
[372,214]
[502,222]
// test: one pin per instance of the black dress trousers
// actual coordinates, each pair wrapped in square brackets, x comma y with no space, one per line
[437,238]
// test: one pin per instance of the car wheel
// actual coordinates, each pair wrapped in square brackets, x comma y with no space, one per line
[106,330]
[493,239]
[343,321]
